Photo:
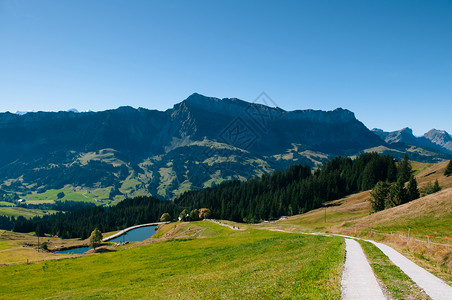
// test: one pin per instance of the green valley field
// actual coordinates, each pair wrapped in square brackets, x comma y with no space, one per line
[219,263]
[207,260]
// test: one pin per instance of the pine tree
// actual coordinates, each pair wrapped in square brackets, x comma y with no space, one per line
[404,170]
[378,196]
[436,187]
[448,171]
[432,188]
[397,195]
[412,190]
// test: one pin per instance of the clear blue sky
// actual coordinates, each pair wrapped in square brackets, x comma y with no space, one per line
[390,62]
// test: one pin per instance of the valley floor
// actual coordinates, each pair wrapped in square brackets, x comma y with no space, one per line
[207,260]
[219,263]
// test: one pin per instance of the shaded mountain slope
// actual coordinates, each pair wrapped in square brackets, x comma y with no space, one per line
[199,142]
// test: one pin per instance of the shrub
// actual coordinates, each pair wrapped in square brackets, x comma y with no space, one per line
[44,246]
[165,217]
[95,239]
[204,213]
[432,188]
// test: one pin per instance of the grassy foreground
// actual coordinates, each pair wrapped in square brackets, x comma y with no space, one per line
[222,264]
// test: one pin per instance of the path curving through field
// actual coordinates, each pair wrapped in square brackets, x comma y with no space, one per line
[433,286]
[225,225]
[358,279]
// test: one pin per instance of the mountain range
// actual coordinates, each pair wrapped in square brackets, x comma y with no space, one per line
[435,139]
[199,142]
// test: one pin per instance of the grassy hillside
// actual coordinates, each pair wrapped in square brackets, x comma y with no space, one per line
[93,195]
[18,248]
[224,263]
[204,260]
[429,215]
[426,173]
[348,209]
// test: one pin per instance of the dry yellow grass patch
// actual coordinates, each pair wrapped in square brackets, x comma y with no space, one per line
[22,248]
[432,206]
[429,173]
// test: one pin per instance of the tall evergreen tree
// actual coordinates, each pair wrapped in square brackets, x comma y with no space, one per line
[412,190]
[378,196]
[448,171]
[404,170]
[397,195]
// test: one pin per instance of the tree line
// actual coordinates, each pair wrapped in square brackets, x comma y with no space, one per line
[80,223]
[296,190]
[386,194]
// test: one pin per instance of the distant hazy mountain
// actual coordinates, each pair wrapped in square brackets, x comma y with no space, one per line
[434,139]
[404,135]
[199,142]
[21,113]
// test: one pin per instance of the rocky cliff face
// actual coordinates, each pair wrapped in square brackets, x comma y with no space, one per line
[267,130]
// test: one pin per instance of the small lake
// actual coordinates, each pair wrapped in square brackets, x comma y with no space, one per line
[134,235]
[80,250]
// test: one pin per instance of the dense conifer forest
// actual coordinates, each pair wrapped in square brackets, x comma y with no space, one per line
[293,191]
[296,190]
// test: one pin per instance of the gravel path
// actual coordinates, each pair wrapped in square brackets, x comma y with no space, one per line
[436,288]
[358,279]
[225,225]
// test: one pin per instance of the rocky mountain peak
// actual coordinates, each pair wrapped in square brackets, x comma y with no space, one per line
[440,138]
[404,135]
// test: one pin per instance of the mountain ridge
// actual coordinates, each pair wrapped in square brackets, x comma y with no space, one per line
[198,142]
[435,139]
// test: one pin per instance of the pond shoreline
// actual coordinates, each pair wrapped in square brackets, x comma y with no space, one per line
[130,228]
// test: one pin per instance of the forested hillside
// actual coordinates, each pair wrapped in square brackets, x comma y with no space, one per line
[294,191]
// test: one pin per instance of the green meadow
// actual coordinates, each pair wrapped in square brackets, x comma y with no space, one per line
[25,212]
[220,263]
[50,196]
